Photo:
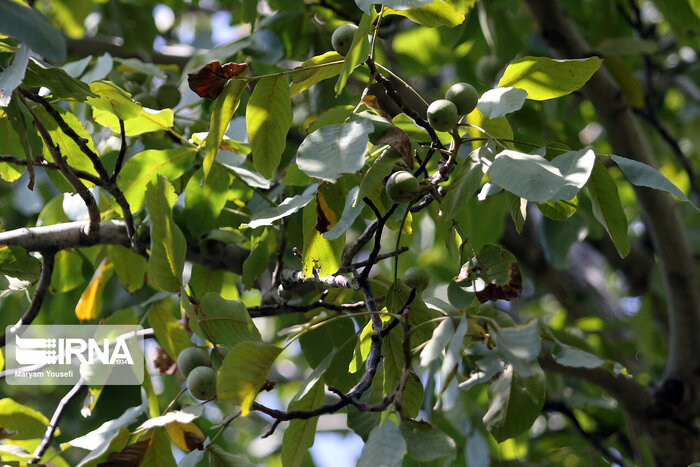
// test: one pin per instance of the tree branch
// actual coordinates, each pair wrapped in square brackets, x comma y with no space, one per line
[102,45]
[559,406]
[58,413]
[631,395]
[659,211]
[218,255]
[4,158]
[42,288]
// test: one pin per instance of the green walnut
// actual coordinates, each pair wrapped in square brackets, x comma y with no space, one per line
[443,115]
[135,76]
[191,358]
[342,38]
[218,354]
[488,68]
[416,278]
[168,95]
[202,383]
[464,96]
[146,100]
[402,187]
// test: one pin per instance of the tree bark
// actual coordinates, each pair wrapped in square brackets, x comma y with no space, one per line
[674,437]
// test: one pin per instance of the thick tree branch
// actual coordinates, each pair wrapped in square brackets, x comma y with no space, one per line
[101,45]
[631,395]
[659,211]
[218,255]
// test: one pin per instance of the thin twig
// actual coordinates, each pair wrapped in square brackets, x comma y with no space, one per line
[58,413]
[282,308]
[381,220]
[558,406]
[67,171]
[49,166]
[122,152]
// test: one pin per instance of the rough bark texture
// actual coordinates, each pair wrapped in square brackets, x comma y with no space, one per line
[670,422]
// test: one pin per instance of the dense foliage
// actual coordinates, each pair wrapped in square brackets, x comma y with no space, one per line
[306,232]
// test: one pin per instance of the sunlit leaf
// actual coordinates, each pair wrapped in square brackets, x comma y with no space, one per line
[546,78]
[88,307]
[268,118]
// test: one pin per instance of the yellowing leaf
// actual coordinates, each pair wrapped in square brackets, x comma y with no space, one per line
[186,436]
[88,305]
[243,372]
[316,69]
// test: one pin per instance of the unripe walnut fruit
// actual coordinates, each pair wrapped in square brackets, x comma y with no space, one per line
[218,354]
[342,38]
[202,383]
[443,115]
[416,278]
[464,96]
[488,68]
[402,187]
[168,95]
[191,358]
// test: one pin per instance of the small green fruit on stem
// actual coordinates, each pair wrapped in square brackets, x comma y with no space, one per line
[342,38]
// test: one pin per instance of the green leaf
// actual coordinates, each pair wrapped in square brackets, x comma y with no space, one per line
[534,178]
[518,345]
[476,450]
[144,168]
[168,244]
[426,443]
[68,272]
[204,202]
[61,84]
[495,103]
[299,436]
[571,356]
[256,262]
[435,14]
[226,322]
[129,266]
[76,157]
[18,270]
[311,72]
[492,274]
[167,328]
[385,447]
[359,49]
[10,144]
[377,172]
[147,121]
[366,5]
[559,210]
[268,118]
[243,372]
[159,452]
[546,78]
[515,403]
[20,421]
[641,174]
[30,27]
[319,253]
[286,208]
[442,336]
[465,181]
[113,99]
[497,128]
[224,107]
[607,207]
[351,211]
[334,150]
[218,457]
